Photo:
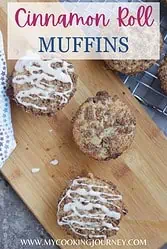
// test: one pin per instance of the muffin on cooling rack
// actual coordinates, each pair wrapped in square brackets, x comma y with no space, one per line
[43,86]
[131,66]
[104,127]
[90,208]
[163,75]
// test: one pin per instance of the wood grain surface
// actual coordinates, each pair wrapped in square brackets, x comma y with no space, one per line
[140,174]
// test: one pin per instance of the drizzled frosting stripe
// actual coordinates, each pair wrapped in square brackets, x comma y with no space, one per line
[39,74]
[83,202]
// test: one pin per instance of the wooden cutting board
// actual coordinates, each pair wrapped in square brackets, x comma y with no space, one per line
[140,174]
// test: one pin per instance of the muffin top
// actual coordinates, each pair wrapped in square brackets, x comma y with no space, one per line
[129,66]
[104,127]
[43,86]
[90,208]
[132,66]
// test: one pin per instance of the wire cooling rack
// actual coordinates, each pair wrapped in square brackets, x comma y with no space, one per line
[146,86]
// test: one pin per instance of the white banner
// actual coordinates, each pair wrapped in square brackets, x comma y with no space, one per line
[85,30]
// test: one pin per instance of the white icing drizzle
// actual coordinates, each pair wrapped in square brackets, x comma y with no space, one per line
[41,73]
[83,200]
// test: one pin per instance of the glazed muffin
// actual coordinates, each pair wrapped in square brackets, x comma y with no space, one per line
[104,127]
[90,208]
[131,66]
[163,75]
[43,86]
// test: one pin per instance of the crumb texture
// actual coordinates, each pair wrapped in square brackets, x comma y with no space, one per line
[91,208]
[129,66]
[43,86]
[104,127]
[35,170]
[54,162]
[132,66]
